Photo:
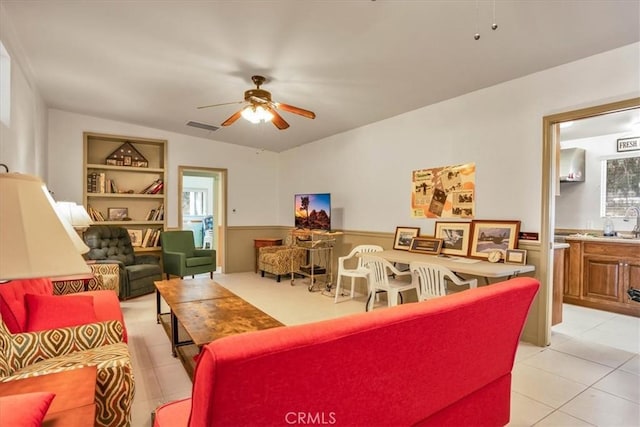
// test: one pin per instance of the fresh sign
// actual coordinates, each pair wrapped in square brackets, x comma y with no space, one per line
[629,144]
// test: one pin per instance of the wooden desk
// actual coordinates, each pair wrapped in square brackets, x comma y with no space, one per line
[74,404]
[461,265]
[259,243]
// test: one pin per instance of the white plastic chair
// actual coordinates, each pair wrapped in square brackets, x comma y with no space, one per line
[359,271]
[432,279]
[379,269]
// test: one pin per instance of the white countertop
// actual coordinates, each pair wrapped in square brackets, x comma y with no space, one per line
[588,238]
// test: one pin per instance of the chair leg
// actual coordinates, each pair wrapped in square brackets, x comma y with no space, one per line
[369,305]
[338,282]
[211,274]
[167,276]
[392,298]
[278,278]
[193,276]
[261,273]
[353,285]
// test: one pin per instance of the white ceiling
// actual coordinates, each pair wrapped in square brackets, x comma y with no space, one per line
[353,62]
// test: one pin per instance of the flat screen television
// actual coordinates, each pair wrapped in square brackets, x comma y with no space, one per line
[313,211]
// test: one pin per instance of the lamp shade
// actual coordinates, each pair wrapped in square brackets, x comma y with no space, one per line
[75,215]
[66,215]
[34,242]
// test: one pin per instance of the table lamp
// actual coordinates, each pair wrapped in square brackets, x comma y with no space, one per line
[34,241]
[75,215]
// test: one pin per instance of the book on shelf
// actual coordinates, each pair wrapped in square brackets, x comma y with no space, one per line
[156,240]
[145,238]
[159,214]
[96,182]
[94,214]
[154,187]
[112,187]
[158,188]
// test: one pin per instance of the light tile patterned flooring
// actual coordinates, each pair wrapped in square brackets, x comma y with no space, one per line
[588,376]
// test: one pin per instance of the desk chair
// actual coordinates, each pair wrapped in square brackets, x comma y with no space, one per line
[432,279]
[379,281]
[359,271]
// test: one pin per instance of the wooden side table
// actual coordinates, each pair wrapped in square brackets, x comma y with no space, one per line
[259,243]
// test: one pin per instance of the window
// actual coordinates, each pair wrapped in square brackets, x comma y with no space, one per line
[620,185]
[5,86]
[194,202]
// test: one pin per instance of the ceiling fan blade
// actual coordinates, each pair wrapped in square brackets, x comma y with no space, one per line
[277,120]
[296,110]
[219,105]
[232,119]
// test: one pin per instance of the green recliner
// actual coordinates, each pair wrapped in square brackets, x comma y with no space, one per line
[181,258]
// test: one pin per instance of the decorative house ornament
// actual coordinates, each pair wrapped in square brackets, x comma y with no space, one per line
[127,155]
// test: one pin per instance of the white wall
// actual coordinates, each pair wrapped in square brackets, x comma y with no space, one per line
[23,143]
[578,206]
[252,175]
[368,170]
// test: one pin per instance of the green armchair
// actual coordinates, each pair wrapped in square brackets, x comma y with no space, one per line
[181,258]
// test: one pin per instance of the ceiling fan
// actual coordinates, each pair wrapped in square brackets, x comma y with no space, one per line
[260,108]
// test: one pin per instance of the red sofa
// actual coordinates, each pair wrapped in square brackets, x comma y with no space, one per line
[441,362]
[29,305]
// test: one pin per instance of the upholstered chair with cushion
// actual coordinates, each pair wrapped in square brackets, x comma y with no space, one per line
[29,305]
[109,244]
[32,354]
[281,260]
[105,277]
[181,258]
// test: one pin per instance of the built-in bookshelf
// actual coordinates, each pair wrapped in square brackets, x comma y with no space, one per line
[125,183]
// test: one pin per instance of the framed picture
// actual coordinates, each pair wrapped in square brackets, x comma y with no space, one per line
[488,236]
[402,240]
[426,245]
[136,237]
[117,214]
[516,256]
[455,237]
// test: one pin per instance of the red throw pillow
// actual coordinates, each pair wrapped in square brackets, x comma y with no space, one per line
[50,312]
[24,410]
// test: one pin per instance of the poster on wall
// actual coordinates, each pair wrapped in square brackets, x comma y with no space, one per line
[444,192]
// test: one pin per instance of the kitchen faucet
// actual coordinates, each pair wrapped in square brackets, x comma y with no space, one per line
[636,229]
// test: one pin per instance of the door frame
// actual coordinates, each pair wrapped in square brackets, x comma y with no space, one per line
[550,186]
[222,202]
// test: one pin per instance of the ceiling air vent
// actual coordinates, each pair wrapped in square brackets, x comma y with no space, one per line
[202,126]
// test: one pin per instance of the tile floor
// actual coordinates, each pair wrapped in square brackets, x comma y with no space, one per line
[588,376]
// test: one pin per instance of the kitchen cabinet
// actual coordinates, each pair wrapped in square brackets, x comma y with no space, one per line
[601,272]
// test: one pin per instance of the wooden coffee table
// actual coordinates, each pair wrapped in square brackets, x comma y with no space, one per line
[206,311]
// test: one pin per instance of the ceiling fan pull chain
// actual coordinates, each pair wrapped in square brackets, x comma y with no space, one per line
[494,26]
[477,35]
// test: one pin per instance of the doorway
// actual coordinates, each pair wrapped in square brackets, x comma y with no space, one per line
[202,195]
[551,185]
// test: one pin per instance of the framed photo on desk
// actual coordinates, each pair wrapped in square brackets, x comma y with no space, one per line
[489,236]
[455,236]
[402,239]
[426,245]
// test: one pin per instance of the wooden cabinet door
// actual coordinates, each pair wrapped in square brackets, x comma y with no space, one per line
[632,267]
[603,278]
[572,282]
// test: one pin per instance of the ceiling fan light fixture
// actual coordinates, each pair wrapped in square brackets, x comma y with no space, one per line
[256,114]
